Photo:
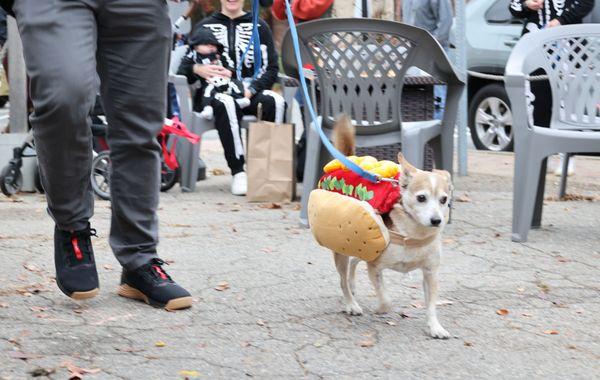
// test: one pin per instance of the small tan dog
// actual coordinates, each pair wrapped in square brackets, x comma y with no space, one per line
[420,215]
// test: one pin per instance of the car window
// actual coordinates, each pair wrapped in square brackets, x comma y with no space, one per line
[498,13]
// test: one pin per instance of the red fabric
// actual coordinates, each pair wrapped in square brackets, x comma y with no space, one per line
[304,10]
[75,244]
[384,194]
[175,127]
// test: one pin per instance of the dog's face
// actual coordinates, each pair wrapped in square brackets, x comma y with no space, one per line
[425,195]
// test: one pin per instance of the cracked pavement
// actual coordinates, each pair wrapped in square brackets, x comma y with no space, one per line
[281,315]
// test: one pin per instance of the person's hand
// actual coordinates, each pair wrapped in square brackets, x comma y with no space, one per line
[535,5]
[247,94]
[553,23]
[209,71]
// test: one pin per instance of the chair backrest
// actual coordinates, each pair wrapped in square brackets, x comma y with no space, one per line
[361,65]
[570,55]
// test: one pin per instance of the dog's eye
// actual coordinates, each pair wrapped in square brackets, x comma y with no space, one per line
[421,198]
[443,200]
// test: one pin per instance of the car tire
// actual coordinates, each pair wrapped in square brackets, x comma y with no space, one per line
[490,119]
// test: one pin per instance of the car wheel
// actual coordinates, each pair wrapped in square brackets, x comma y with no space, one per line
[490,119]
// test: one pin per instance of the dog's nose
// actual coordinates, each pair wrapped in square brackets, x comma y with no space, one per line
[436,222]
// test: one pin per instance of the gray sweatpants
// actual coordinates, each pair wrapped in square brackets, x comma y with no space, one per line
[66,42]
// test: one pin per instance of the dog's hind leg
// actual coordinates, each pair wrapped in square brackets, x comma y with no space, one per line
[430,287]
[350,305]
[352,275]
[376,277]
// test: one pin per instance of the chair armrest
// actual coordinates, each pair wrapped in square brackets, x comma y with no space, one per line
[178,79]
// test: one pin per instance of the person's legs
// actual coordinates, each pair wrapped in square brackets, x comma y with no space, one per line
[273,106]
[59,44]
[133,51]
[133,54]
[228,117]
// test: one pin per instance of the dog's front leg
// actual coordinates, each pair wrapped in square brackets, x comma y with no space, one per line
[376,276]
[430,287]
[351,306]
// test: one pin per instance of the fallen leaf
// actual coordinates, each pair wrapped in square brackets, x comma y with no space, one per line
[78,311]
[217,171]
[404,315]
[78,372]
[417,305]
[179,225]
[160,343]
[271,206]
[3,305]
[169,261]
[463,198]
[497,234]
[319,343]
[222,286]
[37,309]
[571,347]
[189,374]
[367,343]
[23,355]
[520,290]
[32,268]
[260,322]
[526,315]
[562,259]
[444,302]
[391,323]
[502,312]
[448,241]
[266,250]
[245,344]
[551,332]
[467,344]
[108,267]
[297,207]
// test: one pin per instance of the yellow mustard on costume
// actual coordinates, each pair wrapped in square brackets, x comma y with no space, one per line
[347,225]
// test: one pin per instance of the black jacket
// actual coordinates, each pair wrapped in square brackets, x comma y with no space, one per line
[7,5]
[234,35]
[566,11]
[200,36]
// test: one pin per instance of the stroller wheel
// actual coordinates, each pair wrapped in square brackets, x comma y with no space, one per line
[101,175]
[168,177]
[11,180]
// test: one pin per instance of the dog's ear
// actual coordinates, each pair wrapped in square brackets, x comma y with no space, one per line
[446,175]
[407,170]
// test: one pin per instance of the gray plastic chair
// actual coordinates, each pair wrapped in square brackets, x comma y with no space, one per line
[570,55]
[361,65]
[188,153]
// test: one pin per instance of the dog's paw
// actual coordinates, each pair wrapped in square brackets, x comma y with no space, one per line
[438,332]
[353,309]
[384,308]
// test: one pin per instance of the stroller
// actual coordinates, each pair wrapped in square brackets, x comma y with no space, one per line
[101,165]
[11,176]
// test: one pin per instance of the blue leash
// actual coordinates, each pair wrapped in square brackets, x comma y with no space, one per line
[255,42]
[294,34]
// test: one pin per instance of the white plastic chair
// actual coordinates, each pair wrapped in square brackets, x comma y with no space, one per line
[570,55]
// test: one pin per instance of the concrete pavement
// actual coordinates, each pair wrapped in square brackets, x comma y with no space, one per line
[267,299]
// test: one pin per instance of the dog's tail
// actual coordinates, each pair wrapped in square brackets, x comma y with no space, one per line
[343,135]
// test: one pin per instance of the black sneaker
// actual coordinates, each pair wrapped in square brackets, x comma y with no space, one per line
[76,274]
[151,284]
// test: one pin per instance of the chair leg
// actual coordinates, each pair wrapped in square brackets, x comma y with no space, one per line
[311,171]
[565,174]
[536,222]
[436,145]
[527,174]
[413,150]
[447,151]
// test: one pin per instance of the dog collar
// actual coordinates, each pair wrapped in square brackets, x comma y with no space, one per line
[399,239]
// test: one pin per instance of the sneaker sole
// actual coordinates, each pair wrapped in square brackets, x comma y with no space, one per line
[79,296]
[174,304]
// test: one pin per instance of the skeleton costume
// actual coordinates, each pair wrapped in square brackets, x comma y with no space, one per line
[233,35]
[565,11]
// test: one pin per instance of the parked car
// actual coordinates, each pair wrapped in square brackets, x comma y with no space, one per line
[492,32]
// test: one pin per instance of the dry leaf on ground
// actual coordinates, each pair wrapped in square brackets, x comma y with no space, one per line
[221,286]
[417,305]
[367,343]
[160,343]
[108,267]
[463,198]
[271,206]
[217,171]
[78,372]
[42,372]
[260,322]
[23,355]
[189,374]
[3,305]
[551,332]
[32,268]
[502,312]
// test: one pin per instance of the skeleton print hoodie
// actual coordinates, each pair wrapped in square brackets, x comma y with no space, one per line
[566,11]
[234,35]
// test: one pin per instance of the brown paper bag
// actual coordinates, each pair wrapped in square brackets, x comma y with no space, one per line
[271,152]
